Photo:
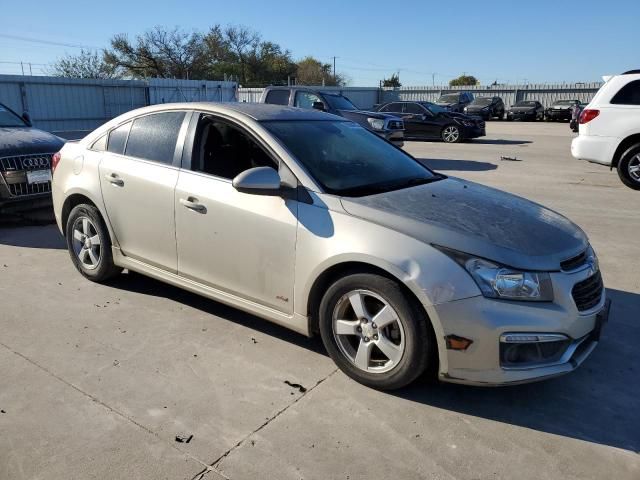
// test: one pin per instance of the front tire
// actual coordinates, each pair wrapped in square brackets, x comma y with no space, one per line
[629,167]
[374,333]
[89,244]
[451,134]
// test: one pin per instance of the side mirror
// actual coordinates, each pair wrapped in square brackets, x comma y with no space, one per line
[27,118]
[319,106]
[258,181]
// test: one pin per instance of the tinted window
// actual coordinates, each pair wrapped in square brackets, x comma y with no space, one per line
[347,159]
[450,98]
[413,108]
[223,150]
[118,137]
[628,95]
[277,97]
[392,107]
[482,101]
[340,102]
[154,137]
[306,99]
[100,145]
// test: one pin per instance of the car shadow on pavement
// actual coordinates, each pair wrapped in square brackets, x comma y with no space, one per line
[134,282]
[596,403]
[458,165]
[499,141]
[29,236]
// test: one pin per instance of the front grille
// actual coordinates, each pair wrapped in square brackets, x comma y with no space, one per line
[587,293]
[574,262]
[395,125]
[13,170]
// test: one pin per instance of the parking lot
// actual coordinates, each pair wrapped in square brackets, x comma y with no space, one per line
[96,381]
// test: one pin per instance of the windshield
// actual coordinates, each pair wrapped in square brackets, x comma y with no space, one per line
[525,104]
[10,119]
[564,102]
[451,98]
[482,101]
[345,159]
[433,108]
[338,102]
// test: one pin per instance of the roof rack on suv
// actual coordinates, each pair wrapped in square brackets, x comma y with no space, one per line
[631,72]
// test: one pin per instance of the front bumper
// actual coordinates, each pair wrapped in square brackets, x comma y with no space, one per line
[473,132]
[394,136]
[558,114]
[521,116]
[484,320]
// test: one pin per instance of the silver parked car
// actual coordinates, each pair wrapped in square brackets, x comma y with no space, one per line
[310,221]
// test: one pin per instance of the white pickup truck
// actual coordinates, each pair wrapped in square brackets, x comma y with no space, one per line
[610,128]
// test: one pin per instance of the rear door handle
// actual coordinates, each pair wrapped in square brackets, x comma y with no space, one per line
[192,204]
[114,180]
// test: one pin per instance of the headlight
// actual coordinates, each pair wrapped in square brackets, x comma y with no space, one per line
[498,281]
[466,109]
[376,123]
[485,109]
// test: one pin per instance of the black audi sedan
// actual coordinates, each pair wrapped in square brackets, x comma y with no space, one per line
[25,163]
[428,121]
[486,107]
[526,110]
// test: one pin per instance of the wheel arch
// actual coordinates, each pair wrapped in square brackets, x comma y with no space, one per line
[76,198]
[623,146]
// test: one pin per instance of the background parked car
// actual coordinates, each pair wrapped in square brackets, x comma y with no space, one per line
[560,110]
[455,102]
[425,120]
[576,111]
[526,110]
[610,128]
[486,107]
[387,126]
[25,163]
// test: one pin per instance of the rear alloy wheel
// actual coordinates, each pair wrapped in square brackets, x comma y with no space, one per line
[89,244]
[374,333]
[451,134]
[629,167]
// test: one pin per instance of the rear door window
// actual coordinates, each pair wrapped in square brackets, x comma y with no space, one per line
[118,138]
[277,97]
[628,95]
[154,137]
[413,108]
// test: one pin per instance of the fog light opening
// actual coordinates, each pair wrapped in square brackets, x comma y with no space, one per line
[531,350]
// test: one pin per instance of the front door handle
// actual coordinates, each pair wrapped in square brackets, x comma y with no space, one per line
[192,204]
[114,179]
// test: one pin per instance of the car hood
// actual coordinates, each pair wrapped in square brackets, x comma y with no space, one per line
[27,141]
[477,220]
[522,109]
[560,107]
[460,116]
[476,108]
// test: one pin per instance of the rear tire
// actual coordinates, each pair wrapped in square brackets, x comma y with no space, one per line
[89,244]
[629,167]
[387,355]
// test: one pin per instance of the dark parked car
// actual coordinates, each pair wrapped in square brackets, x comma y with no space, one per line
[387,126]
[526,110]
[576,110]
[560,110]
[455,102]
[425,120]
[486,107]
[25,163]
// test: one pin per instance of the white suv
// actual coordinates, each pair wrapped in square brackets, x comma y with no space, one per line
[610,128]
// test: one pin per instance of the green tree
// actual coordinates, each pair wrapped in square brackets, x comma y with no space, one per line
[311,71]
[463,81]
[393,81]
[87,64]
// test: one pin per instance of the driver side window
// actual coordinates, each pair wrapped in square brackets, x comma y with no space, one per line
[306,99]
[223,150]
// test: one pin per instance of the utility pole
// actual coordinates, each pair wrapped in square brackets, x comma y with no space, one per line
[433,79]
[334,67]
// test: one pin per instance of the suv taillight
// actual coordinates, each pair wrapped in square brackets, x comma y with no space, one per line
[587,115]
[55,159]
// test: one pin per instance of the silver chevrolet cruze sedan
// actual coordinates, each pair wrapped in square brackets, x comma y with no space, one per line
[312,222]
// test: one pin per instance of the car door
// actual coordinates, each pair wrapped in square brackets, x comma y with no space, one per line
[419,121]
[238,243]
[138,175]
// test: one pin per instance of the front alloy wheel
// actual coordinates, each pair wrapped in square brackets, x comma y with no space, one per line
[375,331]
[451,134]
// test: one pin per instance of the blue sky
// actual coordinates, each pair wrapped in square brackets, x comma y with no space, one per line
[508,41]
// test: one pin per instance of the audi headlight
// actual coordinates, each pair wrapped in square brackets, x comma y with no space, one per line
[376,123]
[497,281]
